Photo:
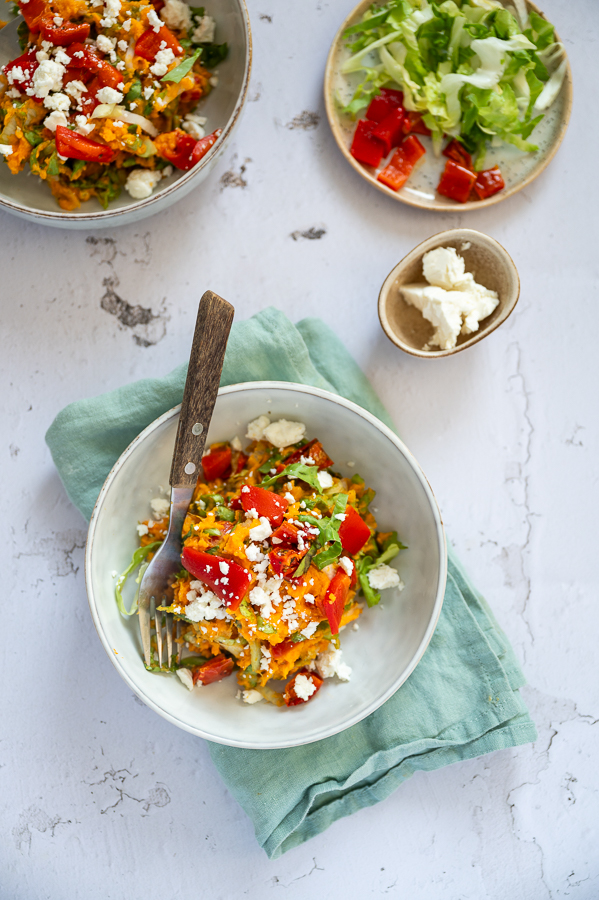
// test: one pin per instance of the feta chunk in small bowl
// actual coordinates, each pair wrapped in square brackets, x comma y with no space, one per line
[448,293]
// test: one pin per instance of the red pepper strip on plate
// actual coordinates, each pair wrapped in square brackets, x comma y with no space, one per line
[353,531]
[488,183]
[456,182]
[150,42]
[367,148]
[383,104]
[84,56]
[216,463]
[291,698]
[28,63]
[413,124]
[285,561]
[65,34]
[457,152]
[397,172]
[285,536]
[390,130]
[33,11]
[76,146]
[278,650]
[313,451]
[335,599]
[214,670]
[187,151]
[267,504]
[227,579]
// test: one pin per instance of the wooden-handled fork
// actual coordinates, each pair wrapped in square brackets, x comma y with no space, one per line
[213,324]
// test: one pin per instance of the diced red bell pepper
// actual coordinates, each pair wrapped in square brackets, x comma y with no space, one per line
[84,56]
[383,104]
[335,598]
[353,531]
[367,148]
[285,536]
[459,154]
[456,182]
[227,579]
[187,151]
[266,503]
[203,146]
[241,462]
[488,183]
[32,12]
[390,130]
[291,698]
[76,146]
[414,124]
[65,34]
[279,650]
[28,63]
[214,670]
[149,43]
[313,451]
[216,463]
[398,170]
[284,562]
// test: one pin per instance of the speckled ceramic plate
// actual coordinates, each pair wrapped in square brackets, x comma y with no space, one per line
[518,168]
[392,637]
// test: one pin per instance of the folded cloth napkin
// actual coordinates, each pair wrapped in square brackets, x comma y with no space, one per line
[462,699]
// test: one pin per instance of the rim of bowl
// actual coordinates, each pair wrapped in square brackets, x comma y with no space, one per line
[95,218]
[436,240]
[439,206]
[441,543]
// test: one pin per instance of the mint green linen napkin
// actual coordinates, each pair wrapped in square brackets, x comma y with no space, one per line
[461,701]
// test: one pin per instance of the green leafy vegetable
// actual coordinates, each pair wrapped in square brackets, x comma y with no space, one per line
[136,560]
[309,474]
[180,71]
[190,662]
[213,54]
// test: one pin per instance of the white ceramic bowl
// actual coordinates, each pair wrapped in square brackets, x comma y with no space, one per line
[26,197]
[391,638]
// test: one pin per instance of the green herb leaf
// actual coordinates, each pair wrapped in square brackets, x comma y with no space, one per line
[134,92]
[180,71]
[213,54]
[309,474]
[136,560]
[33,137]
[223,512]
[190,662]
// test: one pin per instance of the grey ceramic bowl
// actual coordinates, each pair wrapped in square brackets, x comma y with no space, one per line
[491,265]
[27,197]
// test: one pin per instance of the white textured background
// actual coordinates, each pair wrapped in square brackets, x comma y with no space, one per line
[99,797]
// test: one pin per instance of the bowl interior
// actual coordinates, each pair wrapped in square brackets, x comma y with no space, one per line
[491,266]
[28,193]
[391,638]
[518,168]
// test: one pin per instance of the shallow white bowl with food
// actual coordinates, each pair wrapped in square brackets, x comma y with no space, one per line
[27,197]
[392,637]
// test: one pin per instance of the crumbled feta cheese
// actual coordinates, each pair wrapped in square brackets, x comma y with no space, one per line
[236,443]
[83,127]
[105,44]
[47,77]
[111,10]
[142,529]
[262,531]
[284,433]
[75,89]
[123,45]
[309,598]
[254,553]
[382,577]
[193,126]
[309,630]
[5,149]
[127,23]
[325,480]
[57,101]
[347,565]
[141,182]
[213,81]
[109,95]
[204,33]
[153,21]
[224,567]
[57,20]
[42,55]
[263,596]
[251,696]
[204,605]
[55,119]
[16,74]
[176,14]
[163,60]
[304,687]
[186,678]
[330,663]
[148,92]
[160,507]
[256,428]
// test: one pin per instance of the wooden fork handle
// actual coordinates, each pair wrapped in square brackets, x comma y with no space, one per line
[213,324]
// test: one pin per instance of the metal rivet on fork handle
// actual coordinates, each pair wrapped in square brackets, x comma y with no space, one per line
[197,428]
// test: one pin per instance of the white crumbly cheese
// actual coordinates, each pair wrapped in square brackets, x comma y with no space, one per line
[262,531]
[193,125]
[75,89]
[55,119]
[325,480]
[309,598]
[263,597]
[254,553]
[347,565]
[309,630]
[47,77]
[142,529]
[109,95]
[452,301]
[304,687]
[382,577]
[284,433]
[105,44]
[251,696]
[160,507]
[256,428]
[148,92]
[330,663]
[83,126]
[5,149]
[61,57]
[186,677]
[140,184]
[111,10]
[153,21]
[204,33]
[57,101]
[203,604]
[176,14]
[162,61]
[236,443]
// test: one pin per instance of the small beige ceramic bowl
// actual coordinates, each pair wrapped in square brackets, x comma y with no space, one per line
[491,266]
